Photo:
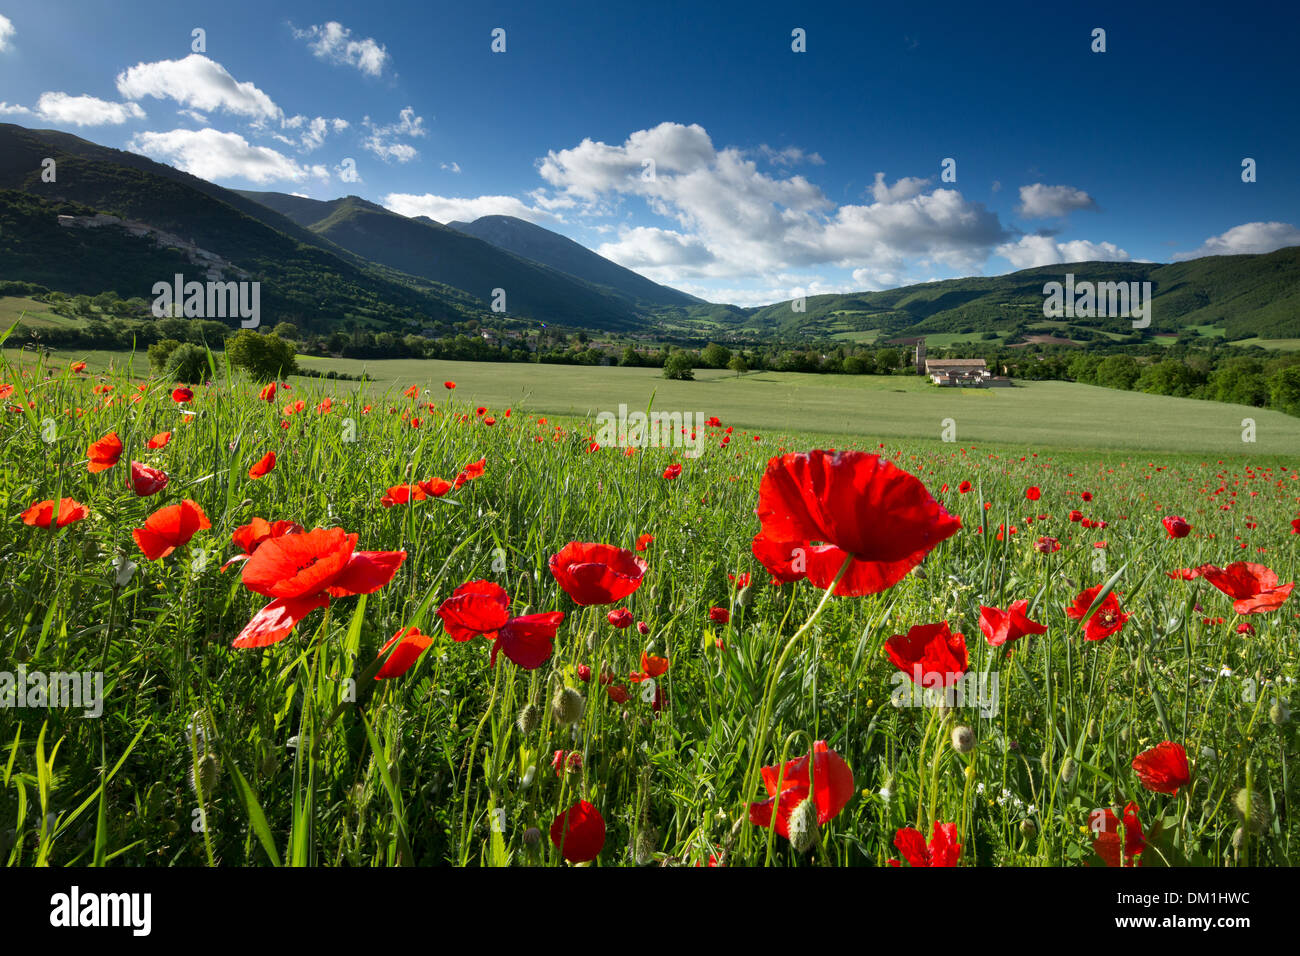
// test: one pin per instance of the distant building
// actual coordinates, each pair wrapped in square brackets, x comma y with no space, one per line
[970,372]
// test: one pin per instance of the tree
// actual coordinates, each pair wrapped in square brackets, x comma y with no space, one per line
[1284,389]
[264,357]
[160,354]
[715,356]
[738,364]
[1118,371]
[630,357]
[188,363]
[887,361]
[287,331]
[679,366]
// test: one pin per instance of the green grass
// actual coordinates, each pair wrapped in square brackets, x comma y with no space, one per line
[1050,414]
[292,767]
[34,314]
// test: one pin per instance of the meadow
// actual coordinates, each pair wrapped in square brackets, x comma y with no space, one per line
[537,651]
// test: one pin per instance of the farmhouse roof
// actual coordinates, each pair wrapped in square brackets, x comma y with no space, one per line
[936,364]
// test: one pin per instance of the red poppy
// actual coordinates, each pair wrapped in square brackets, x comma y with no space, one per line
[146,481]
[1046,545]
[410,645]
[402,494]
[620,617]
[159,441]
[999,627]
[182,394]
[1295,526]
[618,693]
[411,392]
[1253,587]
[77,367]
[1176,526]
[651,667]
[1106,843]
[1076,516]
[943,850]
[964,487]
[481,607]
[1187,574]
[435,487]
[672,471]
[302,572]
[644,541]
[1163,768]
[527,640]
[104,453]
[168,528]
[1108,619]
[40,514]
[596,573]
[579,832]
[1033,493]
[449,385]
[817,509]
[263,466]
[719,615]
[930,654]
[251,535]
[832,780]
[477,607]
[267,394]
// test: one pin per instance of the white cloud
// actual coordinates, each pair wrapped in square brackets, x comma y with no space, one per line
[450,167]
[1248,237]
[1048,202]
[333,42]
[382,140]
[85,110]
[199,83]
[14,110]
[751,223]
[213,155]
[1030,251]
[194,115]
[314,130]
[6,32]
[451,208]
[790,156]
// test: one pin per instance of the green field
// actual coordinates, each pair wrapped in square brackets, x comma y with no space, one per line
[1061,415]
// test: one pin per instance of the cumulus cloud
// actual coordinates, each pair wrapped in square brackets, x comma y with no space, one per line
[313,130]
[1048,202]
[13,109]
[735,220]
[450,167]
[1030,251]
[454,208]
[85,110]
[6,32]
[790,156]
[213,155]
[1248,237]
[198,83]
[383,140]
[334,43]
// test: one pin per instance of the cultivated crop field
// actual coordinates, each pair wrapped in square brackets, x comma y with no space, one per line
[412,624]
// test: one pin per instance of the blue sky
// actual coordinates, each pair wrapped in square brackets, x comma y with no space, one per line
[775,173]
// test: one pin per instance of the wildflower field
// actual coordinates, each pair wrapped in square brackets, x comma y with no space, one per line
[351,627]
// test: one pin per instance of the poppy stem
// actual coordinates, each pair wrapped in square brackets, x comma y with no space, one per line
[773,678]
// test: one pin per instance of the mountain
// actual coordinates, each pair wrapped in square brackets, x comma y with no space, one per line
[1240,297]
[305,278]
[429,249]
[531,241]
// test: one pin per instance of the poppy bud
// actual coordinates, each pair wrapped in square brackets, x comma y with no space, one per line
[1028,827]
[209,771]
[644,849]
[803,826]
[963,740]
[1252,807]
[1238,838]
[532,837]
[1279,713]
[1092,728]
[746,596]
[584,673]
[528,719]
[567,706]
[1068,769]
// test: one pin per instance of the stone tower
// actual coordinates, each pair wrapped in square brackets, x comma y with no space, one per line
[920,356]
